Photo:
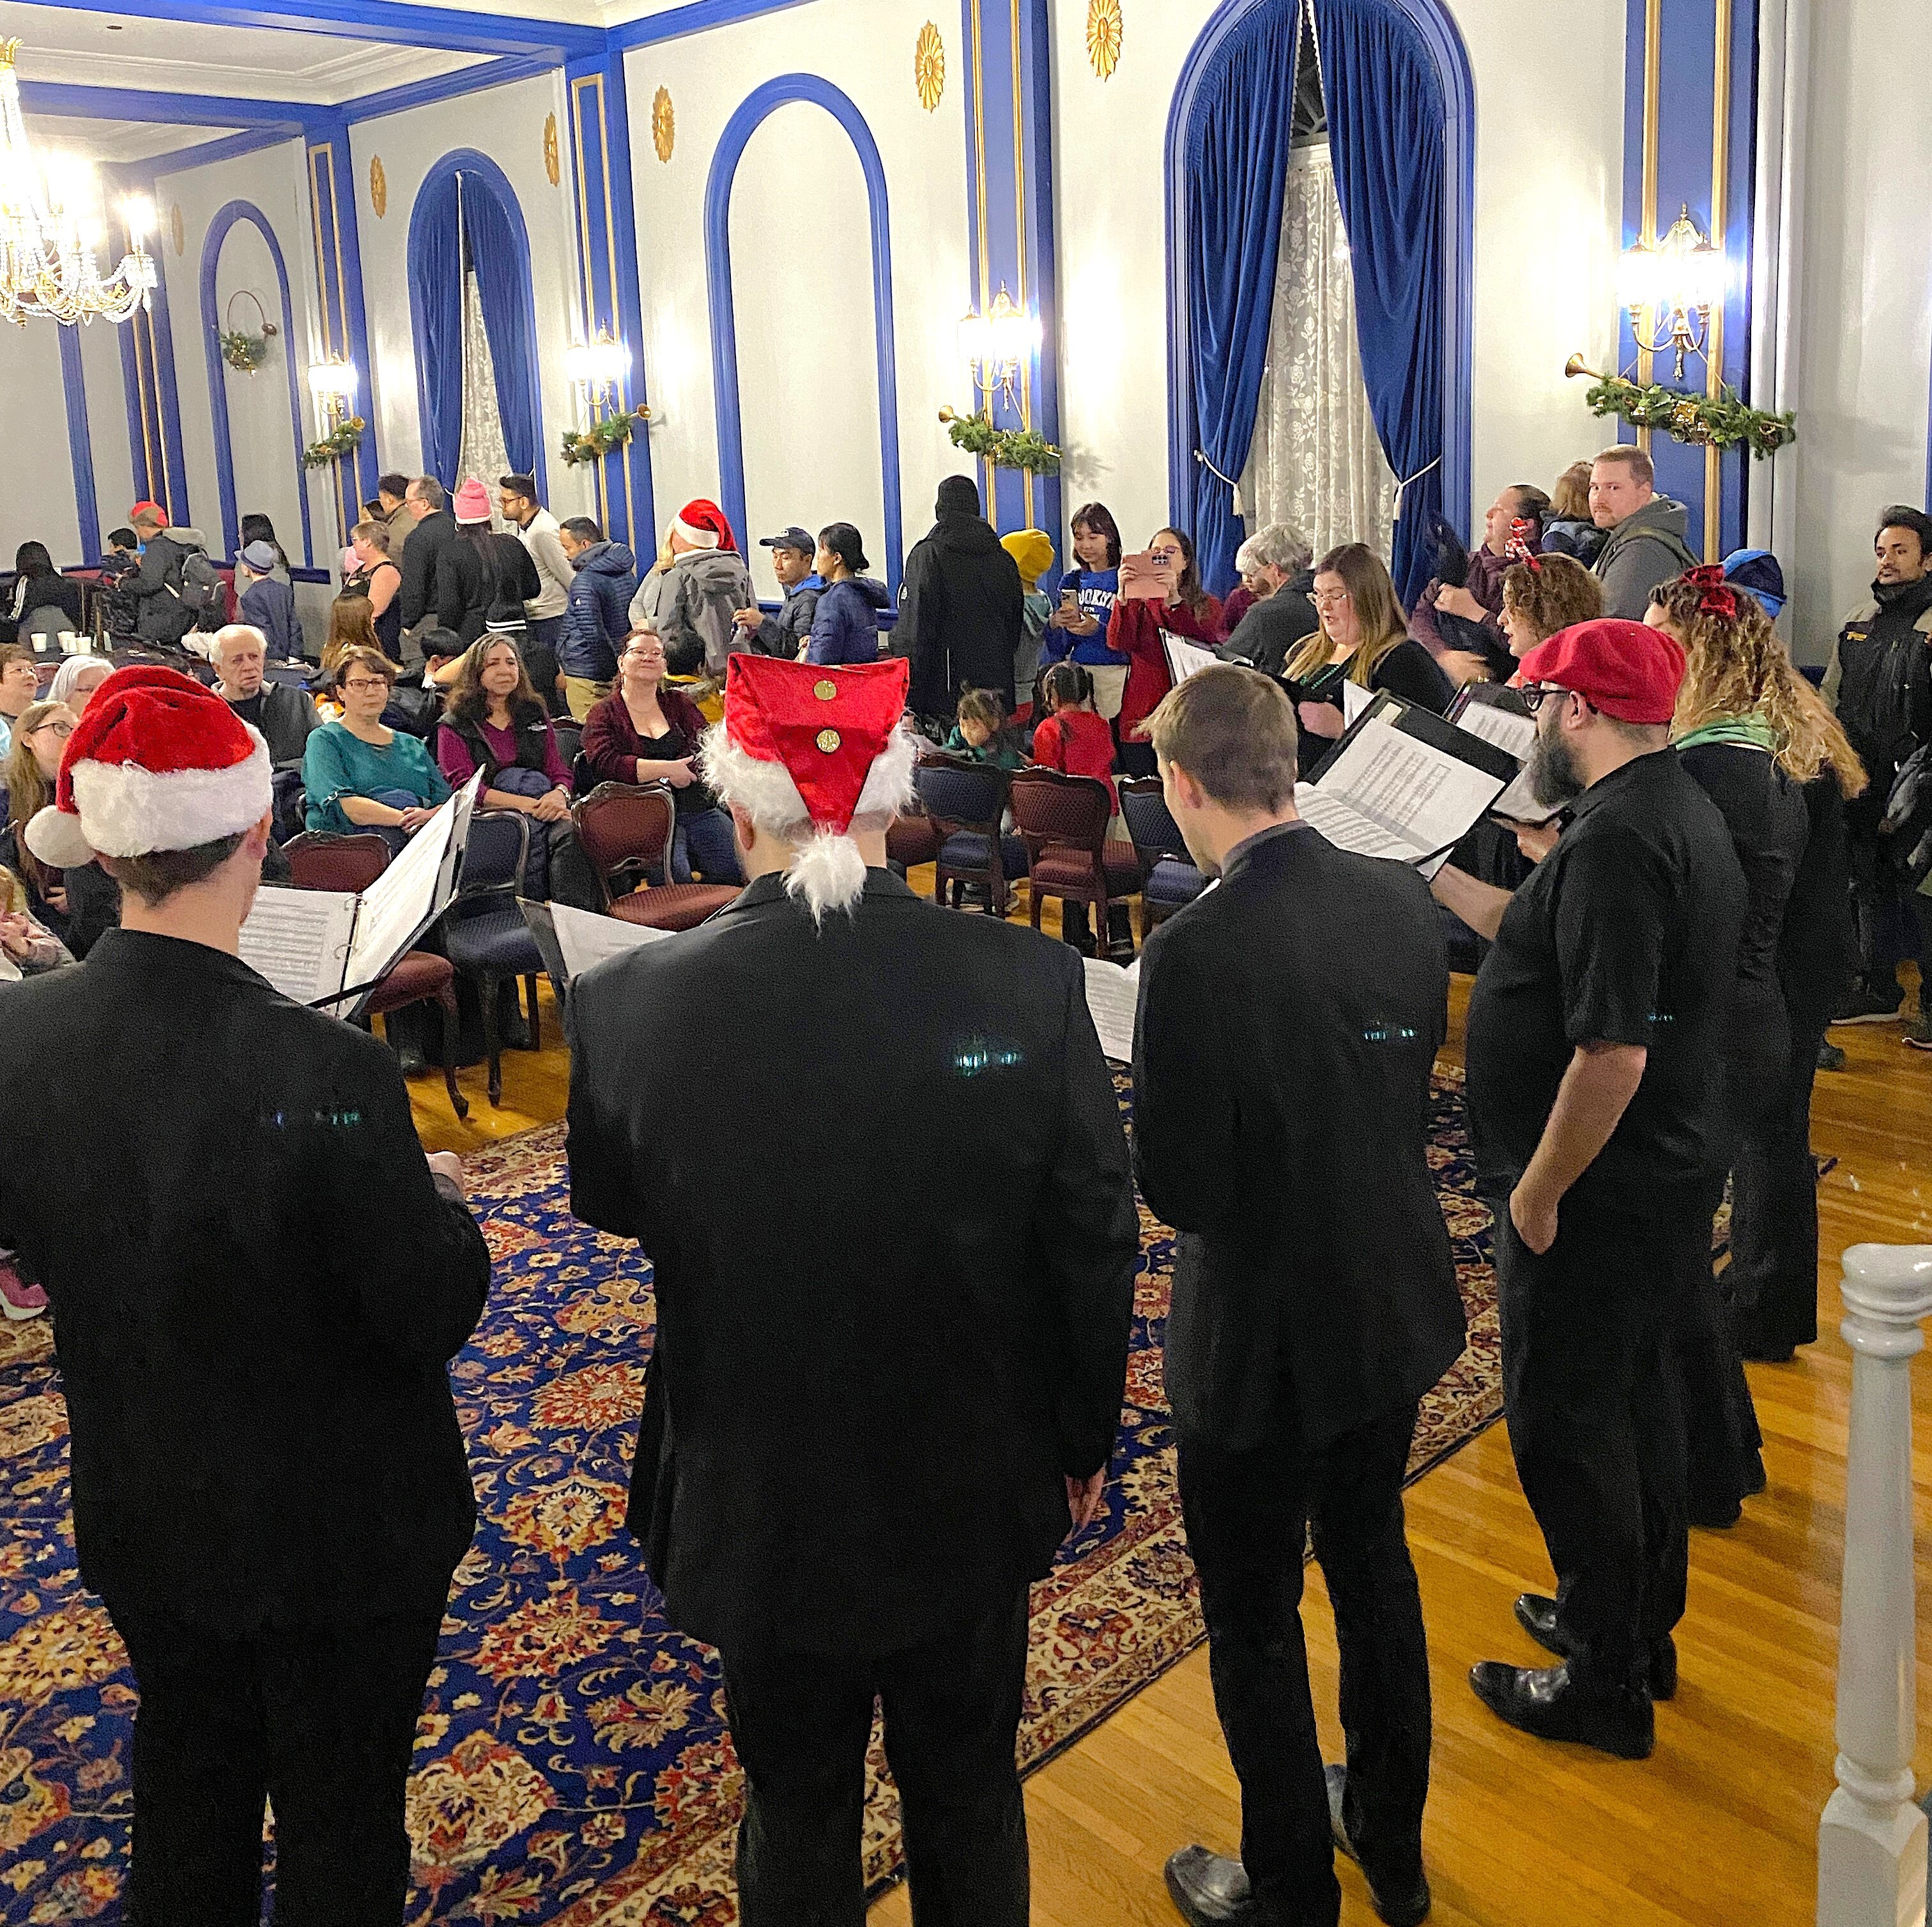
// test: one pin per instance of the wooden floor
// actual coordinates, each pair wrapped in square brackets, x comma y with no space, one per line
[1719,1826]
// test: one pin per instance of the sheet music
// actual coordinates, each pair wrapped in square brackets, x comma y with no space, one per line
[299,939]
[1113,994]
[587,939]
[1504,727]
[1401,793]
[1347,828]
[397,904]
[1354,699]
[1184,658]
[1520,803]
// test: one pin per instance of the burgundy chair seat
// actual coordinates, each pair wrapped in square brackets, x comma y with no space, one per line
[416,975]
[1057,865]
[673,906]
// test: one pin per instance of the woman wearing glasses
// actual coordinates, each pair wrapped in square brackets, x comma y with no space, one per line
[32,764]
[360,775]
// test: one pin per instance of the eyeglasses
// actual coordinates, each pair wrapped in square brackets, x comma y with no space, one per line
[1331,598]
[1535,694]
[59,729]
[364,682]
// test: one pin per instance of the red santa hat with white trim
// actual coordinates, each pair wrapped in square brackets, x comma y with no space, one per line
[157,763]
[703,524]
[810,754]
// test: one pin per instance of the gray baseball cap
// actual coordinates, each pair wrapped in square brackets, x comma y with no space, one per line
[793,537]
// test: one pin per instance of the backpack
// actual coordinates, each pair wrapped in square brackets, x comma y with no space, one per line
[202,592]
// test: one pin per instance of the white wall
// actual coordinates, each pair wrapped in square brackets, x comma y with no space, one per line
[802,299]
[107,425]
[507,125]
[37,477]
[1549,90]
[1865,337]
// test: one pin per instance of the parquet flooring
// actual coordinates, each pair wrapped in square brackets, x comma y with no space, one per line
[1719,1826]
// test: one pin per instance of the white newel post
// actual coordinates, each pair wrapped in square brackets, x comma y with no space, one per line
[1871,1841]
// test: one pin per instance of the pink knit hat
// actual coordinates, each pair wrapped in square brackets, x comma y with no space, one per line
[472,503]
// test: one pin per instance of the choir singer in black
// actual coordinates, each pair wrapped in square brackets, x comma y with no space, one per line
[1289,1021]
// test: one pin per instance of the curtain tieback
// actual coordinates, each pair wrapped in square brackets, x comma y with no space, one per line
[1409,482]
[1240,508]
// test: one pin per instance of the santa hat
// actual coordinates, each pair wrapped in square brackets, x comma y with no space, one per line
[702,523]
[806,751]
[157,763]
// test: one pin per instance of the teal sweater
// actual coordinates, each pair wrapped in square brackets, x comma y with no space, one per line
[337,763]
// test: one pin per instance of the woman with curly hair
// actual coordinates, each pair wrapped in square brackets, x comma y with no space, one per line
[1762,743]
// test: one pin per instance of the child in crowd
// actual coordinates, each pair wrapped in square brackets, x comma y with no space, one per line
[980,733]
[1032,553]
[1074,737]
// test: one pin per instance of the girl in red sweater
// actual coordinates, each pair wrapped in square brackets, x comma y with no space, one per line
[1075,738]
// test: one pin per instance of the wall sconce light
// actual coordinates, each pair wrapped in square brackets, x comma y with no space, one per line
[333,383]
[995,343]
[1671,288]
[597,368]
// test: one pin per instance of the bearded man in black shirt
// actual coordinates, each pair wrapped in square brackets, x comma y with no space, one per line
[1595,1037]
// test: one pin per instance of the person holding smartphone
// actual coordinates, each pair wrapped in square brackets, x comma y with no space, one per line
[1077,630]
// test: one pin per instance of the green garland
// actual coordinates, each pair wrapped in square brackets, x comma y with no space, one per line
[1720,421]
[343,441]
[591,444]
[242,350]
[1004,448]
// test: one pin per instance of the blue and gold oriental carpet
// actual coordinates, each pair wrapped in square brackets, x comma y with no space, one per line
[573,1769]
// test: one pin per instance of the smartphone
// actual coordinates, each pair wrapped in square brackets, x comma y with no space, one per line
[1069,600]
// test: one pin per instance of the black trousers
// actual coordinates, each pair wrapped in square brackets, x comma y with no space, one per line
[319,1719]
[1885,907]
[1721,1438]
[1248,1513]
[1590,1390]
[801,1723]
[1772,1280]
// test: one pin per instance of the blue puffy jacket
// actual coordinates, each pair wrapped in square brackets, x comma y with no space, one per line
[845,625]
[598,617]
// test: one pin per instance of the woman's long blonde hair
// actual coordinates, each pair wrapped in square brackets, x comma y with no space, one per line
[28,791]
[1736,666]
[1378,611]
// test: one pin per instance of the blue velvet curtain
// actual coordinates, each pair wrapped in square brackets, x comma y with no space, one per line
[436,273]
[503,288]
[1237,164]
[1387,134]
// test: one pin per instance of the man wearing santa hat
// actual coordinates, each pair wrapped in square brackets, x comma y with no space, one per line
[692,597]
[887,1200]
[257,1280]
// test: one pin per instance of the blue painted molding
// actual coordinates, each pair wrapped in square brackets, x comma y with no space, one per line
[225,218]
[338,272]
[80,446]
[154,403]
[448,86]
[402,23]
[68,99]
[473,166]
[696,16]
[1451,60]
[750,113]
[233,147]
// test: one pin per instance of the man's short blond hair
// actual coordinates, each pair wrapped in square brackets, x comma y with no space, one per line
[1232,730]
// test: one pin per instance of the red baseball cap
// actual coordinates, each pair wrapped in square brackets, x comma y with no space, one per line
[1629,671]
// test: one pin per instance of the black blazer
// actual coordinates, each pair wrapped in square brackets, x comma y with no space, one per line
[880,1169]
[255,1287]
[1289,1021]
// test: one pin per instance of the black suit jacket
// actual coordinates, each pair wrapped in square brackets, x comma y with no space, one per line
[255,1289]
[1289,1021]
[880,1169]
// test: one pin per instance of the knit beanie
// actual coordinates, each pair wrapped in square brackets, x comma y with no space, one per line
[472,502]
[1032,551]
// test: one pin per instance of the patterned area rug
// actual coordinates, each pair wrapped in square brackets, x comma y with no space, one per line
[574,1767]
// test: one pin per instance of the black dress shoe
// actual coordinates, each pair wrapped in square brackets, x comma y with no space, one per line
[1211,1889]
[1536,1613]
[410,1061]
[1402,1902]
[1549,1705]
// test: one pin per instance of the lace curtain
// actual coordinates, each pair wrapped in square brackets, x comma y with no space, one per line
[1315,460]
[482,453]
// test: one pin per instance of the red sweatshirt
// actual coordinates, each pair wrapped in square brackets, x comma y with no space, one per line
[1079,742]
[1136,629]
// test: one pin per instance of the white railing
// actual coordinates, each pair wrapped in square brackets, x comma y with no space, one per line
[1872,1839]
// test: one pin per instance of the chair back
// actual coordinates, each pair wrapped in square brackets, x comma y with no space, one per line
[624,827]
[317,861]
[1050,807]
[1151,823]
[45,623]
[960,794]
[493,857]
[569,737]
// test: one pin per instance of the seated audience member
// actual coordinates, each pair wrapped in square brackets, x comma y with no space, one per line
[596,617]
[845,625]
[1273,563]
[494,720]
[27,946]
[38,585]
[1181,606]
[358,773]
[29,773]
[1470,646]
[122,552]
[76,680]
[693,591]
[980,732]
[1079,628]
[644,732]
[1032,553]
[1074,737]
[18,687]
[267,602]
[378,578]
[1568,529]
[1542,595]
[1239,599]
[284,715]
[1362,639]
[794,558]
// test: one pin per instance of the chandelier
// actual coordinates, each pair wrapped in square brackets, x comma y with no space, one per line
[50,234]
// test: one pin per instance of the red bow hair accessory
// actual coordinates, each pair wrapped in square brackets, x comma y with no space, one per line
[1717,597]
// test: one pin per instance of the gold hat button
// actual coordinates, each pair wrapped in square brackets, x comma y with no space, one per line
[828,740]
[825,690]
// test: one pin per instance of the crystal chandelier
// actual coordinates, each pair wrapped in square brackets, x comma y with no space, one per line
[50,236]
